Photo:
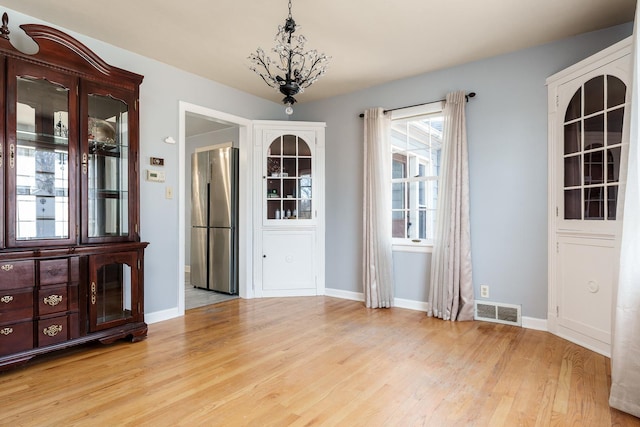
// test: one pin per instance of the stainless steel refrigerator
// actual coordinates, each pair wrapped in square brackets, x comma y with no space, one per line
[214,220]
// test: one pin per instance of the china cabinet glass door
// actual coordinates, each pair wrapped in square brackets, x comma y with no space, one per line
[106,165]
[41,153]
[114,281]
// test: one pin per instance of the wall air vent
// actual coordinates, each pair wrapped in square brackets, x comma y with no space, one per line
[509,314]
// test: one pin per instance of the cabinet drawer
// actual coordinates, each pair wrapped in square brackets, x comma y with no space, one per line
[15,305]
[53,299]
[54,271]
[57,329]
[16,274]
[16,337]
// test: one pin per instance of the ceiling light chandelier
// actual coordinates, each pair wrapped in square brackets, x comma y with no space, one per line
[301,69]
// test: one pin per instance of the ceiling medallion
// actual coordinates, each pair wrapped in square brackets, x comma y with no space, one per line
[301,69]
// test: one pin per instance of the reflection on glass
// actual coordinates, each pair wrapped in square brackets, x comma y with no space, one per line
[108,168]
[572,138]
[113,293]
[616,91]
[289,183]
[594,95]
[594,132]
[612,202]
[613,164]
[593,167]
[42,156]
[594,203]
[586,181]
[575,107]
[614,126]
[572,204]
[572,171]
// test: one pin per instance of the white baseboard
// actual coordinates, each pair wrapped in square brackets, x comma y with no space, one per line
[527,322]
[535,323]
[339,293]
[159,316]
[410,304]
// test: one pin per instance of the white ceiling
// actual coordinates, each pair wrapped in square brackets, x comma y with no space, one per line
[370,41]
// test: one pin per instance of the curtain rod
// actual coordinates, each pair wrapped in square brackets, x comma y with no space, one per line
[470,95]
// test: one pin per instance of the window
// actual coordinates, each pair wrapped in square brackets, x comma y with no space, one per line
[416,147]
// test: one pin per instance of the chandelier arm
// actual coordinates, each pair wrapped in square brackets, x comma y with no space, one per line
[261,61]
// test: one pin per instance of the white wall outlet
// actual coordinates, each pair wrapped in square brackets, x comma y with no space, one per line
[484,291]
[168,192]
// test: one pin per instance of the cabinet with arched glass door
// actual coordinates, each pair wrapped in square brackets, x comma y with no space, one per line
[588,140]
[290,172]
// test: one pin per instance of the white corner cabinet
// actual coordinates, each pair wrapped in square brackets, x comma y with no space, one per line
[290,221]
[588,140]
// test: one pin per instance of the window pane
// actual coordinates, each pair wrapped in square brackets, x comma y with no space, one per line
[398,195]
[416,152]
[572,171]
[572,138]
[594,95]
[572,204]
[594,132]
[594,167]
[574,108]
[397,224]
[613,164]
[616,91]
[614,126]
[612,202]
[594,203]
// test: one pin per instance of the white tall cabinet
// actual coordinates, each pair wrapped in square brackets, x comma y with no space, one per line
[588,140]
[289,220]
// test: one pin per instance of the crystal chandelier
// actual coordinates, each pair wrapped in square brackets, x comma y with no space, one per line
[301,69]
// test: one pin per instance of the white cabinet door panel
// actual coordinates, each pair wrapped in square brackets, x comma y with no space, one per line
[586,272]
[288,262]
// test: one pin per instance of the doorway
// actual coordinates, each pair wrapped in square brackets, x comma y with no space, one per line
[196,120]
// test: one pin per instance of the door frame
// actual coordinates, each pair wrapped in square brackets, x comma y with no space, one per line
[245,205]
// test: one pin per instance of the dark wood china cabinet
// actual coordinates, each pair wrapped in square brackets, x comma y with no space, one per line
[71,260]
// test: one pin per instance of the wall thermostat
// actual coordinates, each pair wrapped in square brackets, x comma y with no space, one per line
[155,176]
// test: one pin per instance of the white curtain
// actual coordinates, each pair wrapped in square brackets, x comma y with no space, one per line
[377,257]
[625,355]
[451,288]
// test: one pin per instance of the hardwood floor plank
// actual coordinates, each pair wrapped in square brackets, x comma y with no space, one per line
[315,361]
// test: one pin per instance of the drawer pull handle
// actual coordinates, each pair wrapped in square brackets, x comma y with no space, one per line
[52,300]
[6,299]
[52,331]
[6,331]
[7,267]
[94,291]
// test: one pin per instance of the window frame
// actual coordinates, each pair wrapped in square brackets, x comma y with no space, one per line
[415,112]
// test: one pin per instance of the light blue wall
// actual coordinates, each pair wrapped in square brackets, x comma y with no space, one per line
[507,147]
[163,87]
[507,136]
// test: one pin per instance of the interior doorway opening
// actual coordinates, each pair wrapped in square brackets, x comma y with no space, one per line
[197,125]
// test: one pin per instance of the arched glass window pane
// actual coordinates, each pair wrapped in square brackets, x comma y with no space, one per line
[592,147]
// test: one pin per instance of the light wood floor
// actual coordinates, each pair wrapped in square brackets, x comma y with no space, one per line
[316,361]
